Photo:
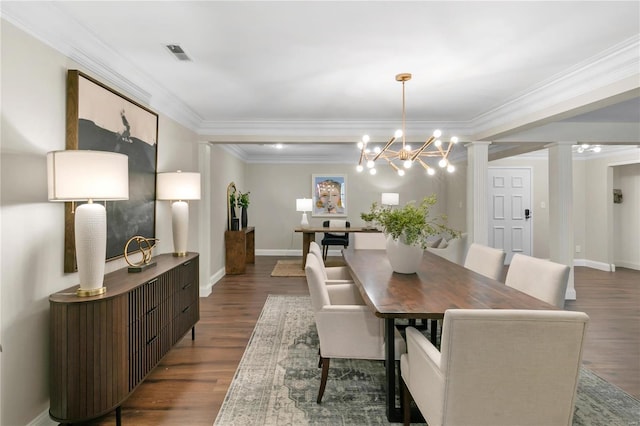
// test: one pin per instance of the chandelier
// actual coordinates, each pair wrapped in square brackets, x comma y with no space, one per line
[405,157]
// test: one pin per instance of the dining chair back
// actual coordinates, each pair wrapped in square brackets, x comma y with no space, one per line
[333,274]
[369,241]
[485,260]
[496,367]
[334,238]
[539,278]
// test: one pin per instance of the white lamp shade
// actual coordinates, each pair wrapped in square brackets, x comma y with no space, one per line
[390,198]
[79,175]
[303,204]
[178,186]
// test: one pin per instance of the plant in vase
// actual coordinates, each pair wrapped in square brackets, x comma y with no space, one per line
[370,217]
[243,202]
[407,229]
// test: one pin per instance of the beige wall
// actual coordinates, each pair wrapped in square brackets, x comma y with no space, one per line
[32,229]
[274,189]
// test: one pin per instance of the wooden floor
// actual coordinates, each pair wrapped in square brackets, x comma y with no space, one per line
[190,383]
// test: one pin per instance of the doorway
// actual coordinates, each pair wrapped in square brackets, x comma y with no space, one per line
[510,210]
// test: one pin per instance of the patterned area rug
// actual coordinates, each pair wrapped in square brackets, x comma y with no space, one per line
[277,381]
[293,267]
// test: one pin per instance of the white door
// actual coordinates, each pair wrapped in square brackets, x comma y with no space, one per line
[510,210]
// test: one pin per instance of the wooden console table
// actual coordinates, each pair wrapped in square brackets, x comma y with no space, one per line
[103,347]
[309,234]
[239,250]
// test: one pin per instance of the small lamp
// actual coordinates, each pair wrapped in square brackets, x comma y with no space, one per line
[179,187]
[83,175]
[390,198]
[304,205]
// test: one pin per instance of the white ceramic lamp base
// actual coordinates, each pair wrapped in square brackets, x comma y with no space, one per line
[180,227]
[304,223]
[91,247]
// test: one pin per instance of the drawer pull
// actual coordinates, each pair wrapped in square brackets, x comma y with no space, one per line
[186,286]
[153,281]
[151,310]
[186,309]
[150,341]
[186,263]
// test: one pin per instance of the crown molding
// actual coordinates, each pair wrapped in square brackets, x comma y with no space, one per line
[616,70]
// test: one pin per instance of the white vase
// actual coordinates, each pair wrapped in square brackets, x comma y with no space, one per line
[403,258]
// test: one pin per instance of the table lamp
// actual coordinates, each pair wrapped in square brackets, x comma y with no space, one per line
[304,205]
[83,175]
[179,187]
[390,198]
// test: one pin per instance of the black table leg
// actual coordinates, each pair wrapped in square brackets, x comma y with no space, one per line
[394,414]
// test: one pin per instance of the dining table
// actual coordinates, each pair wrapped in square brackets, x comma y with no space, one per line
[438,285]
[309,234]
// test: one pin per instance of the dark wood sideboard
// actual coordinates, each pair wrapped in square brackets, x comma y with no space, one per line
[239,250]
[102,347]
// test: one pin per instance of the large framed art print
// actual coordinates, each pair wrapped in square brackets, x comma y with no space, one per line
[101,119]
[329,195]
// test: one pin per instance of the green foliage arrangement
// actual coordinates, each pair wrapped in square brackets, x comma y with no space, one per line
[243,199]
[412,223]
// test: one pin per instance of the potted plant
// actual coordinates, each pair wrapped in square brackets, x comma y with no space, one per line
[407,229]
[243,202]
[370,217]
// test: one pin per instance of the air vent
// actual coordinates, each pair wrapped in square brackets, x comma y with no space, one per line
[178,52]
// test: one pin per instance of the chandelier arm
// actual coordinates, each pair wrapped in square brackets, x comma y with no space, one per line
[423,164]
[362,156]
[422,148]
[393,138]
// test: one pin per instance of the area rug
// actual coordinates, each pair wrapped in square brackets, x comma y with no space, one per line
[293,267]
[277,381]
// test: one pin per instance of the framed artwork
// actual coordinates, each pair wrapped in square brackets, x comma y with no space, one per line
[101,119]
[329,195]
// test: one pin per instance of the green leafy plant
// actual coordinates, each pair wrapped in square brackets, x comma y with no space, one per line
[243,199]
[372,215]
[412,223]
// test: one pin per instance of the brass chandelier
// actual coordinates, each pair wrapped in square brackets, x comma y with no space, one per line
[405,157]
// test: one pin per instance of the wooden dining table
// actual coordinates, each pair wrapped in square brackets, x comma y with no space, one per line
[437,286]
[309,234]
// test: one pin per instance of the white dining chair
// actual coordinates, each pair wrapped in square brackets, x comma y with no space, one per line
[485,260]
[497,367]
[347,328]
[332,274]
[369,241]
[540,278]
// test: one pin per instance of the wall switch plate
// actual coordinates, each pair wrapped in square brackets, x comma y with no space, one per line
[543,205]
[578,249]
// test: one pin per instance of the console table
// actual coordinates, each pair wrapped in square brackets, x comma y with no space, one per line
[239,250]
[102,347]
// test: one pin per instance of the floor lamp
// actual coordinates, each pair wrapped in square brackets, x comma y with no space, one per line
[83,175]
[179,187]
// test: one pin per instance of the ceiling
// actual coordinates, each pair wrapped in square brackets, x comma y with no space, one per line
[317,75]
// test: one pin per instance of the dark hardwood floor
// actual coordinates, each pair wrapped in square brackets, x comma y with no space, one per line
[189,385]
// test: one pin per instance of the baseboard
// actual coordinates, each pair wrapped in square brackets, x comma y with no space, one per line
[43,420]
[630,265]
[601,266]
[206,289]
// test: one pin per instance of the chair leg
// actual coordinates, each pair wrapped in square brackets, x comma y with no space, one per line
[319,358]
[323,378]
[325,252]
[406,403]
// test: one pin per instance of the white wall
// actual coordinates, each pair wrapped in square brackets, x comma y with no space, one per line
[626,217]
[31,259]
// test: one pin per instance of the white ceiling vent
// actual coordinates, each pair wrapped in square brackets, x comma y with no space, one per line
[178,52]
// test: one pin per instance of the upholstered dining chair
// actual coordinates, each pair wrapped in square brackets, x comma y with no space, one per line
[539,278]
[485,260]
[334,238]
[347,328]
[332,274]
[496,367]
[369,241]
[454,251]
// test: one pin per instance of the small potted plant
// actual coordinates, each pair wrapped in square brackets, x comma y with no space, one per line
[407,229]
[370,217]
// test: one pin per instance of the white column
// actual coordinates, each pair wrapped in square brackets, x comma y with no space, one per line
[561,243]
[477,192]
[204,228]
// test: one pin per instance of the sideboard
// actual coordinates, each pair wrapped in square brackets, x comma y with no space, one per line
[102,347]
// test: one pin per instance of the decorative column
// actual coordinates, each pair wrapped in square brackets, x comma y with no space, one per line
[561,243]
[477,192]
